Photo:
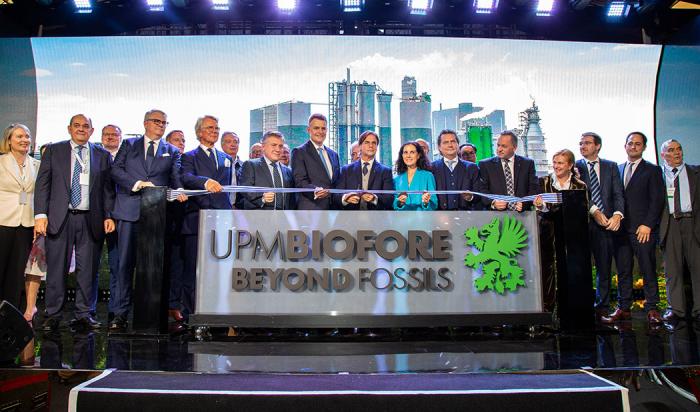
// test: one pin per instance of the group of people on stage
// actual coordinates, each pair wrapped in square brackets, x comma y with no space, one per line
[81,194]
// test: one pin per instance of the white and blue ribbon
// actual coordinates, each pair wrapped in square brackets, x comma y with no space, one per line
[546,197]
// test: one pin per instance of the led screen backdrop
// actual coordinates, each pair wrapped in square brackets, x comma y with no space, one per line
[403,87]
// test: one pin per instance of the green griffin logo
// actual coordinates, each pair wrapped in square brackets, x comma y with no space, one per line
[498,245]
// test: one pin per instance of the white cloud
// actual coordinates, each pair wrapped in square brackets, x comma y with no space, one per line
[77,64]
[36,72]
[118,74]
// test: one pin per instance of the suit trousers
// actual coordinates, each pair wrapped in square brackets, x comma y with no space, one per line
[682,248]
[175,255]
[75,233]
[189,275]
[602,247]
[15,245]
[120,289]
[626,248]
[113,262]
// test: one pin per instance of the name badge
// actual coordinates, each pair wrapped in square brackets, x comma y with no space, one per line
[84,179]
[670,192]
[227,163]
[23,198]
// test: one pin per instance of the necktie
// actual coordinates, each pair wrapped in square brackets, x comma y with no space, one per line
[234,181]
[277,179]
[150,154]
[451,165]
[75,189]
[365,172]
[676,192]
[509,182]
[628,173]
[323,162]
[212,158]
[595,186]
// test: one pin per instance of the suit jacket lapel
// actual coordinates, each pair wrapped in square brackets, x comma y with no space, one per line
[140,153]
[372,174]
[159,154]
[94,166]
[517,164]
[203,162]
[501,173]
[65,152]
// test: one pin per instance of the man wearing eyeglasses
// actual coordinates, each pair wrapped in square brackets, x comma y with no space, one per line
[141,162]
[209,169]
[467,152]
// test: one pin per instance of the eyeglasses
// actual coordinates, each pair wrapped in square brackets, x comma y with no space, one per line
[211,128]
[158,122]
[111,134]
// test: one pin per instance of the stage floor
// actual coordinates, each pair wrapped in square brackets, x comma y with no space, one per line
[463,350]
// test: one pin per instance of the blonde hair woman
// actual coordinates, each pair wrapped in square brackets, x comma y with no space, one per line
[18,172]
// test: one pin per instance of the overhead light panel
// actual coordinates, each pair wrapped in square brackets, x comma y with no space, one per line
[351,6]
[155,5]
[544,7]
[83,6]
[220,4]
[485,6]
[420,7]
[286,6]
[618,9]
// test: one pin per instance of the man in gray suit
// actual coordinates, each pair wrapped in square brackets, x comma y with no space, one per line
[268,171]
[680,230]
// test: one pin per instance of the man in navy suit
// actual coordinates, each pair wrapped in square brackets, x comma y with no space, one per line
[644,201]
[607,200]
[202,168]
[268,171]
[315,166]
[452,173]
[174,243]
[73,201]
[230,144]
[507,174]
[365,174]
[144,161]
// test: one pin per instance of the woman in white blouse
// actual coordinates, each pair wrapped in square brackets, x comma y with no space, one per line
[17,175]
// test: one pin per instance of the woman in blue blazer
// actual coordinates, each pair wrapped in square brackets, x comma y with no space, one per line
[413,174]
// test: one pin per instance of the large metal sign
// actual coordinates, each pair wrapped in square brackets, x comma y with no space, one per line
[359,263]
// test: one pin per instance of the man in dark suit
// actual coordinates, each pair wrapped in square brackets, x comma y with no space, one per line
[452,173]
[680,231]
[365,174]
[230,144]
[268,171]
[605,189]
[507,174]
[73,201]
[111,140]
[144,161]
[644,201]
[174,242]
[315,166]
[202,168]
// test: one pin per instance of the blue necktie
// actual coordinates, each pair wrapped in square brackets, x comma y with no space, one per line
[323,161]
[76,192]
[150,155]
[595,186]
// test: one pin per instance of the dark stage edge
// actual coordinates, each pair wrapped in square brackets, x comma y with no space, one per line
[156,391]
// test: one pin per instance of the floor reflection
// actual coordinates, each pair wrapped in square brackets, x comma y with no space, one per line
[633,345]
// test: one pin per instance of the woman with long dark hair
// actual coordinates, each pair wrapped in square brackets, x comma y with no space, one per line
[413,173]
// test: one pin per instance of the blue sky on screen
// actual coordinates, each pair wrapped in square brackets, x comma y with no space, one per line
[607,88]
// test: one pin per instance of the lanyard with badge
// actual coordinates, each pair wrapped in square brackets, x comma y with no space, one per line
[671,190]
[84,175]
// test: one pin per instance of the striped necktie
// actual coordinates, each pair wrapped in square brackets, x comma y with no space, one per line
[595,186]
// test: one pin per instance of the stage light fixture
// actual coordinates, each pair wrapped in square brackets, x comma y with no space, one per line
[350,6]
[220,4]
[618,9]
[485,6]
[420,7]
[83,6]
[544,7]
[286,6]
[155,5]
